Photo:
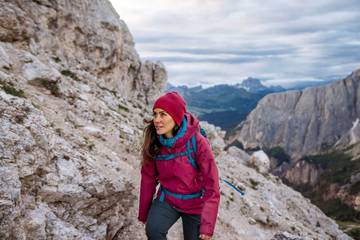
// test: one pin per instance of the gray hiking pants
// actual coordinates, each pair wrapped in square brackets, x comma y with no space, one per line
[162,216]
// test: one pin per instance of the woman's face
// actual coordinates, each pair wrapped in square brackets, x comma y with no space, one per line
[163,122]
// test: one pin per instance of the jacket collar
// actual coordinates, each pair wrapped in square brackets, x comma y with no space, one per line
[169,142]
[189,126]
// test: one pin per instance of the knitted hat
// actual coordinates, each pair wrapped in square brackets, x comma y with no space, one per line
[173,104]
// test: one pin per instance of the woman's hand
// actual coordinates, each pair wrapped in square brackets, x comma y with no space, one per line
[204,237]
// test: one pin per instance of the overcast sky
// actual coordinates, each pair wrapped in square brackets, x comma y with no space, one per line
[210,42]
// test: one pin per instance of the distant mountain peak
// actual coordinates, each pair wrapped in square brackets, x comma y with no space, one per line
[252,85]
[251,80]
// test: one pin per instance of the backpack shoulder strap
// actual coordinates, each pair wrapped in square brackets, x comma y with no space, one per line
[203,132]
[192,157]
[192,141]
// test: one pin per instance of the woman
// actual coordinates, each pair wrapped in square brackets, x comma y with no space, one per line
[179,158]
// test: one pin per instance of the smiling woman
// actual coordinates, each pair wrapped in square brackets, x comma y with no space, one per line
[179,158]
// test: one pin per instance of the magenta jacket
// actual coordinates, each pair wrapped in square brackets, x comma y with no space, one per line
[179,176]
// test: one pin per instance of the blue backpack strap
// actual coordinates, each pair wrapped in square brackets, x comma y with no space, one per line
[193,141]
[162,194]
[177,195]
[202,131]
[192,159]
[189,151]
[233,186]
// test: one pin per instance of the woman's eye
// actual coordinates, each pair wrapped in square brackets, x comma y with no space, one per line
[161,114]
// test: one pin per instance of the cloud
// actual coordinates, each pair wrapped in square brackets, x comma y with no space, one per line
[212,42]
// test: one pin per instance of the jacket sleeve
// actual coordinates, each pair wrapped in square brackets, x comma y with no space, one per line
[208,169]
[147,189]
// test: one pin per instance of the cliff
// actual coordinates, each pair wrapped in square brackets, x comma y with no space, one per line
[303,122]
[312,137]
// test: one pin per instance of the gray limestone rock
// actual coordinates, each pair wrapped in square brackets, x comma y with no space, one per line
[303,122]
[260,161]
[321,121]
[35,70]
[215,135]
[5,61]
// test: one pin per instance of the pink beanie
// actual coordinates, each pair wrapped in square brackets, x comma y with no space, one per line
[173,104]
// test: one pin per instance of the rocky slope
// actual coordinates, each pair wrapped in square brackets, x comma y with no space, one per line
[313,139]
[269,209]
[73,96]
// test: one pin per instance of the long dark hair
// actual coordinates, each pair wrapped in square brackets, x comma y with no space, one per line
[151,144]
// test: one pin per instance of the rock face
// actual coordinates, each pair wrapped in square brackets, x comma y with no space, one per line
[73,96]
[303,173]
[50,186]
[303,122]
[82,40]
[315,135]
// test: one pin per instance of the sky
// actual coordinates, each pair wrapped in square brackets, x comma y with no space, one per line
[280,42]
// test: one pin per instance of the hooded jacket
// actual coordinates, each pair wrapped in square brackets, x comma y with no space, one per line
[179,176]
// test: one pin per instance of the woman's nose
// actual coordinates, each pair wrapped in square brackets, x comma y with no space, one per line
[156,119]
